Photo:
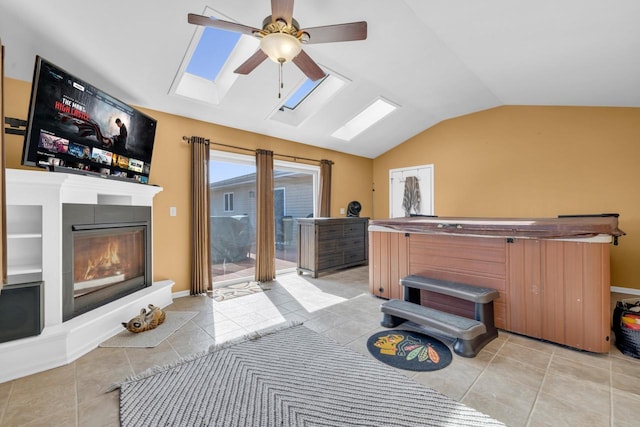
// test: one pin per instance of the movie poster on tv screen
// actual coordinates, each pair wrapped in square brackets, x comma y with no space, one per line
[72,119]
[52,143]
[101,156]
[80,151]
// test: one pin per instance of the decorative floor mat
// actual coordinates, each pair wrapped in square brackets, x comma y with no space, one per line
[409,350]
[235,291]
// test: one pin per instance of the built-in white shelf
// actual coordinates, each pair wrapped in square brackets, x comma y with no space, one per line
[24,243]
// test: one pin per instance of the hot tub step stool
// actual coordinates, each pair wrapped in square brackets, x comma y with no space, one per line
[471,335]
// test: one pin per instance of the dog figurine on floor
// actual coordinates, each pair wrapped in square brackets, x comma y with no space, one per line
[146,320]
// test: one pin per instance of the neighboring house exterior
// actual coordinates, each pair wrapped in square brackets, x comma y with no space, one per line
[293,198]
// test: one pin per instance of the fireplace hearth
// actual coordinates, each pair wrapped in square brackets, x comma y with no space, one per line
[106,254]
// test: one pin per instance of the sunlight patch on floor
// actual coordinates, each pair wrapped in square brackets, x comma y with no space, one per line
[310,297]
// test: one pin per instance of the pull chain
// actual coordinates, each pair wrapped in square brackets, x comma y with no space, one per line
[280,83]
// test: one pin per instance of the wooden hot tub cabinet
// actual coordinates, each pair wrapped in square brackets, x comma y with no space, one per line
[552,274]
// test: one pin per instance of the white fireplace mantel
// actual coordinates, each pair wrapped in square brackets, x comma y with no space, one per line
[62,342]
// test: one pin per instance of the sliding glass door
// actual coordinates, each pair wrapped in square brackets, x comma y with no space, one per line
[233,213]
[295,187]
[233,217]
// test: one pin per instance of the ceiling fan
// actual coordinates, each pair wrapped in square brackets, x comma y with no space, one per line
[281,38]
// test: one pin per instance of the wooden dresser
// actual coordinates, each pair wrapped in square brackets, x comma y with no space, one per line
[326,244]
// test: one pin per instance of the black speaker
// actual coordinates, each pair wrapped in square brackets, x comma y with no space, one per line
[21,311]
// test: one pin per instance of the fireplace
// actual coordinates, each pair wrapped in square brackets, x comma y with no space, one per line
[42,244]
[106,254]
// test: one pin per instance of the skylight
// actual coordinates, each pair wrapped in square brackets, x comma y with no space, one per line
[300,95]
[211,53]
[367,118]
[308,98]
[206,73]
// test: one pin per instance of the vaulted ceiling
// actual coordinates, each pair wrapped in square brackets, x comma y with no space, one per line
[434,59]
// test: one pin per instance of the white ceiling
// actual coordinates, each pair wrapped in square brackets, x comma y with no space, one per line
[436,59]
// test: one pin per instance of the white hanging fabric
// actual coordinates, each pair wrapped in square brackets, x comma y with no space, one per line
[411,199]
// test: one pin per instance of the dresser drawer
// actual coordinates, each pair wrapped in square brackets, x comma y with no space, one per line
[330,260]
[329,246]
[329,232]
[354,229]
[354,242]
[354,255]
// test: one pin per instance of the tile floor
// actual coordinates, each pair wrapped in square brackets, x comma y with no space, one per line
[520,381]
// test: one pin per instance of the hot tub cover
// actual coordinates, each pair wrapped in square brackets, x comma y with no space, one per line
[569,227]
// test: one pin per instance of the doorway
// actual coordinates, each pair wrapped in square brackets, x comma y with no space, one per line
[415,183]
[233,213]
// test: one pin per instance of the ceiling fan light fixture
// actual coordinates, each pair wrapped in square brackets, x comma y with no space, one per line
[280,47]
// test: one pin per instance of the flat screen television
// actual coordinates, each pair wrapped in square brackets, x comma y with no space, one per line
[75,127]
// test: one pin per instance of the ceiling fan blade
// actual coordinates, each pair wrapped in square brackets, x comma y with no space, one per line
[250,64]
[337,33]
[219,23]
[308,66]
[282,9]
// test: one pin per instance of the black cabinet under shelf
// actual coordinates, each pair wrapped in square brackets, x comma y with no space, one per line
[21,311]
[326,244]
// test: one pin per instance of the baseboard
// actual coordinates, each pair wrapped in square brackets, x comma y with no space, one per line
[180,294]
[631,291]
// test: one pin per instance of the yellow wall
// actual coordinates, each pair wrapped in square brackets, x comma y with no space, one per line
[532,162]
[170,170]
[504,162]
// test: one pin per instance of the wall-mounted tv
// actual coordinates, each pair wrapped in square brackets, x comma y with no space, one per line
[75,127]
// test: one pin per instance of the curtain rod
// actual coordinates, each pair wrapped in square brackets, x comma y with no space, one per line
[209,142]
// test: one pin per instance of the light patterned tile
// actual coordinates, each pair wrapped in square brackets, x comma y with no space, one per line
[188,334]
[528,355]
[64,418]
[222,328]
[531,343]
[597,360]
[551,411]
[498,392]
[102,410]
[454,380]
[5,391]
[628,383]
[31,397]
[580,393]
[578,370]
[145,358]
[193,347]
[504,412]
[516,371]
[625,408]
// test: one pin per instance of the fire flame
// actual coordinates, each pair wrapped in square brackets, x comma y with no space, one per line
[108,259]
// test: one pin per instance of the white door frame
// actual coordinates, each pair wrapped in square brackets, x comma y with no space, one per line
[425,176]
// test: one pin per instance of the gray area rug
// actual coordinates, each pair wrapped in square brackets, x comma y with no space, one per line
[287,377]
[174,320]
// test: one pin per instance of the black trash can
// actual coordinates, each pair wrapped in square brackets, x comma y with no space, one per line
[626,327]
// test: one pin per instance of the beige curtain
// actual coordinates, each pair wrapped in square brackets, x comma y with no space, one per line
[201,255]
[324,200]
[265,232]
